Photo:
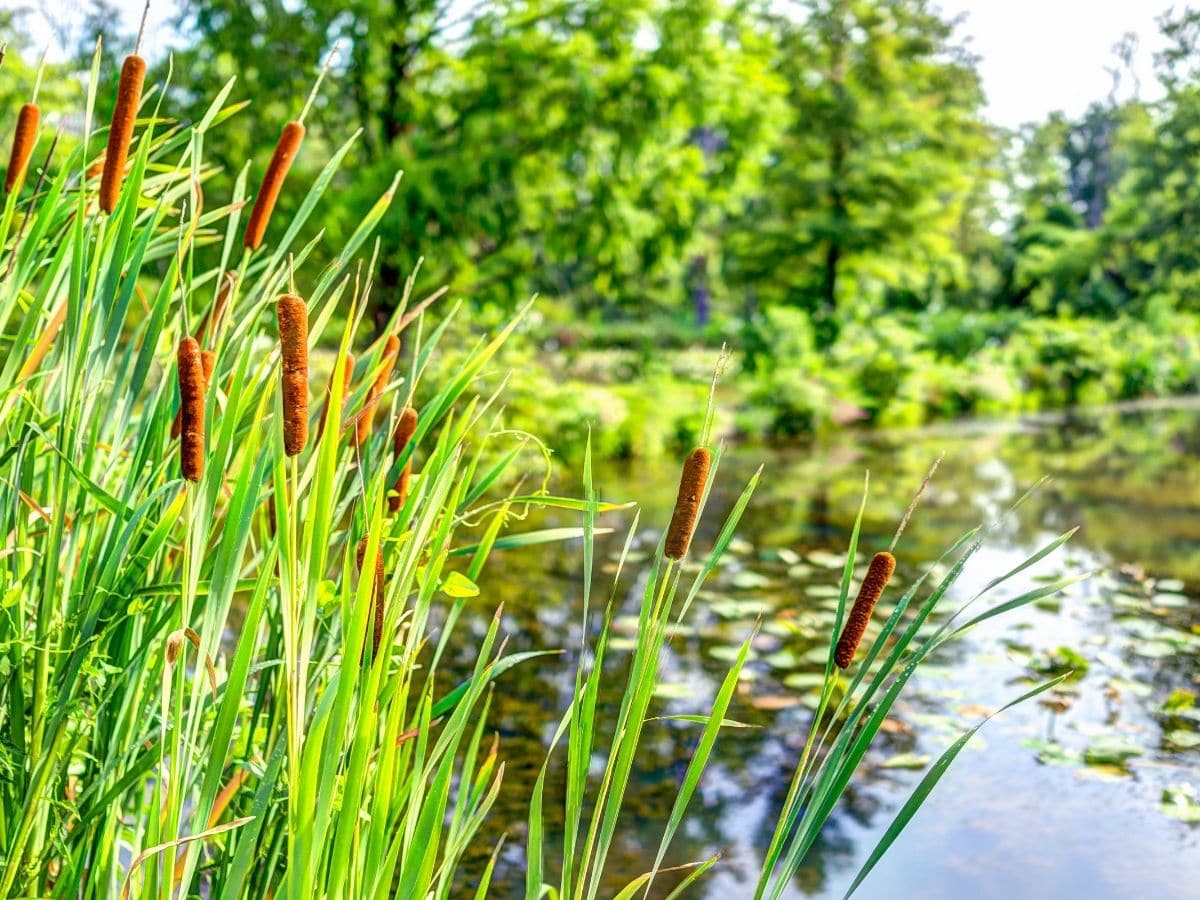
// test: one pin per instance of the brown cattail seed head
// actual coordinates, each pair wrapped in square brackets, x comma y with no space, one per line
[878,575]
[293,342]
[208,362]
[347,375]
[129,97]
[377,595]
[24,139]
[687,504]
[367,417]
[268,192]
[406,427]
[191,409]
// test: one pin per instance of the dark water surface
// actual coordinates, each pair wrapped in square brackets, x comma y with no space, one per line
[1059,799]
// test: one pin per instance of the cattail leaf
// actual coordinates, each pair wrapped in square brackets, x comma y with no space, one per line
[530,538]
[167,845]
[244,843]
[1029,561]
[485,880]
[701,720]
[452,699]
[929,782]
[699,761]
[698,869]
[1024,599]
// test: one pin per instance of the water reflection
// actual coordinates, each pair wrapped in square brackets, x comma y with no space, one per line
[1064,801]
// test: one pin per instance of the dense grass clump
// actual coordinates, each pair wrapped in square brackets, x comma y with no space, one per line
[190,707]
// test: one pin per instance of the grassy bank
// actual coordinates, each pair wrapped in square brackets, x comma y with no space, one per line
[640,387]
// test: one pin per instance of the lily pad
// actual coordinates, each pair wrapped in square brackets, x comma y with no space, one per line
[1111,751]
[826,560]
[672,691]
[1052,753]
[740,609]
[803,681]
[746,580]
[1182,739]
[775,702]
[1179,801]
[906,761]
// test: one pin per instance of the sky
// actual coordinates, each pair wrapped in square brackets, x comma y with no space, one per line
[1037,56]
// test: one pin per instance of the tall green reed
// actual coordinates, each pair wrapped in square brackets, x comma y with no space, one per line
[189,701]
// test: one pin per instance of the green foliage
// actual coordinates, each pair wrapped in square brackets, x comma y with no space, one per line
[207,689]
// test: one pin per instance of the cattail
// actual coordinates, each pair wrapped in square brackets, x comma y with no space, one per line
[293,342]
[24,139]
[268,193]
[213,317]
[347,375]
[95,168]
[208,362]
[129,97]
[44,343]
[367,416]
[687,504]
[406,427]
[191,408]
[878,575]
[377,595]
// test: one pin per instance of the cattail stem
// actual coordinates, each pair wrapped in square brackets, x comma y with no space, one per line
[377,594]
[406,427]
[347,376]
[878,575]
[41,70]
[268,193]
[142,27]
[915,500]
[120,134]
[24,140]
[191,408]
[293,342]
[312,94]
[687,503]
[366,418]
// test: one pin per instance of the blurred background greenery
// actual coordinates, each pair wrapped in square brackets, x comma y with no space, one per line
[814,183]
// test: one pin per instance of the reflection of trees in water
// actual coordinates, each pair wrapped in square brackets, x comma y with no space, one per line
[1131,481]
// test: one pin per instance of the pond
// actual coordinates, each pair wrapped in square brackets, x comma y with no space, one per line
[1089,793]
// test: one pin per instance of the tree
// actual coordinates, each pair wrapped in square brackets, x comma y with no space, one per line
[583,149]
[876,176]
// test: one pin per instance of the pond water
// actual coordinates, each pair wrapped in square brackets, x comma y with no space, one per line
[1088,794]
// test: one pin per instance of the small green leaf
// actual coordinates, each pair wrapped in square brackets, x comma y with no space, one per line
[459,586]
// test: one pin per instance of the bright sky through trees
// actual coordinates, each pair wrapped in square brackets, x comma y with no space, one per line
[1036,55]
